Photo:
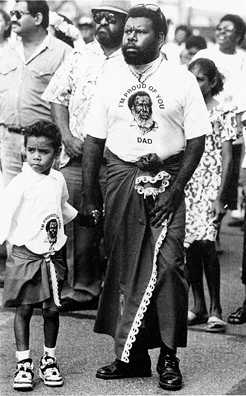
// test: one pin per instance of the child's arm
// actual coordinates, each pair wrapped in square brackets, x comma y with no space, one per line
[68,211]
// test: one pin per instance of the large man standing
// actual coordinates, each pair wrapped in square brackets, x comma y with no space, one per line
[25,71]
[144,301]
[70,92]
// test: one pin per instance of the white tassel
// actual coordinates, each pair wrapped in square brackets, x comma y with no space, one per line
[54,281]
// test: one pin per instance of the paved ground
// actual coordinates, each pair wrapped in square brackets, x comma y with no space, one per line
[213,364]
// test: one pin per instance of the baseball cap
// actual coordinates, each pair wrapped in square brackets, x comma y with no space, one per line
[120,6]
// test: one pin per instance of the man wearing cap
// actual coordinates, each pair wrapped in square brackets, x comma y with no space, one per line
[70,92]
[144,302]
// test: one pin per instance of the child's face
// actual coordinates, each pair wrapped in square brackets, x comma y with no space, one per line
[40,154]
[202,80]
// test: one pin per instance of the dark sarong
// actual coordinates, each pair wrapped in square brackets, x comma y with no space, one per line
[28,278]
[145,285]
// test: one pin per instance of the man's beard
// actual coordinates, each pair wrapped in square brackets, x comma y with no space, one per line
[139,57]
[107,39]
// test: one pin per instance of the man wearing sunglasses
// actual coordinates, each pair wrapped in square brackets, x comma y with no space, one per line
[70,92]
[144,302]
[25,71]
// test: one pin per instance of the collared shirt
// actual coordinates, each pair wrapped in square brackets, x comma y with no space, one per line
[74,82]
[177,107]
[22,82]
[34,210]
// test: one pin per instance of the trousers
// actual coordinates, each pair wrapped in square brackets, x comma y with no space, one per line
[11,154]
[82,250]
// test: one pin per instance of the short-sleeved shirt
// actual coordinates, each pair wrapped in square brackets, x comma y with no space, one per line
[74,83]
[34,210]
[233,68]
[22,82]
[155,116]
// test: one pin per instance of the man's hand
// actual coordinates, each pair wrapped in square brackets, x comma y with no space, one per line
[219,210]
[73,147]
[166,205]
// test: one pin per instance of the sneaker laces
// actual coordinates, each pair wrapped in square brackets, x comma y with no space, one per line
[49,365]
[25,366]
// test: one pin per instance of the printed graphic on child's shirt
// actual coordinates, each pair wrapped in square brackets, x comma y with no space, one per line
[140,104]
[51,224]
[52,229]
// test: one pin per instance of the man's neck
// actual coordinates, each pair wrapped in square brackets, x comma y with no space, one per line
[35,39]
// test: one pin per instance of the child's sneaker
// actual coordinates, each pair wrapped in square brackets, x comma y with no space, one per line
[49,371]
[23,378]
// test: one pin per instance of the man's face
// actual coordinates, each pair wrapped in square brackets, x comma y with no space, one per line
[140,44]
[25,24]
[109,28]
[142,107]
[53,229]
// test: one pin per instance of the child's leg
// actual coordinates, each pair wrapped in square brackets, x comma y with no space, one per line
[49,369]
[51,327]
[23,378]
[212,273]
[195,271]
[22,326]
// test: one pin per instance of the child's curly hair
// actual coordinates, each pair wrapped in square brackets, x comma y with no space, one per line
[47,129]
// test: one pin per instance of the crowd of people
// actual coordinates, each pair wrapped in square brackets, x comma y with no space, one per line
[120,153]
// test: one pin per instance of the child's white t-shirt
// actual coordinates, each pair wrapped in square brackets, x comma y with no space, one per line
[34,210]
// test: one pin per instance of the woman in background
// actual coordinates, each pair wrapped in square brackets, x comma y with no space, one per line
[205,200]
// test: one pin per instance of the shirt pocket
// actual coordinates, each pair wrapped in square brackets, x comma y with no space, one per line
[41,79]
[7,80]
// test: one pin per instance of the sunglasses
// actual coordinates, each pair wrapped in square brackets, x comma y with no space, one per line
[152,7]
[109,16]
[18,14]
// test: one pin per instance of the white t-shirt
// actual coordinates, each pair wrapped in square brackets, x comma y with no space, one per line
[233,68]
[34,210]
[171,93]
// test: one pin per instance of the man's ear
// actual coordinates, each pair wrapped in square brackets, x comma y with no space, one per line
[161,39]
[38,18]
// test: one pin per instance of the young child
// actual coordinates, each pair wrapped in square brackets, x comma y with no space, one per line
[205,200]
[33,212]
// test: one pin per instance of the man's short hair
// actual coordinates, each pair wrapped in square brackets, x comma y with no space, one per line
[41,6]
[47,129]
[132,98]
[239,24]
[158,19]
